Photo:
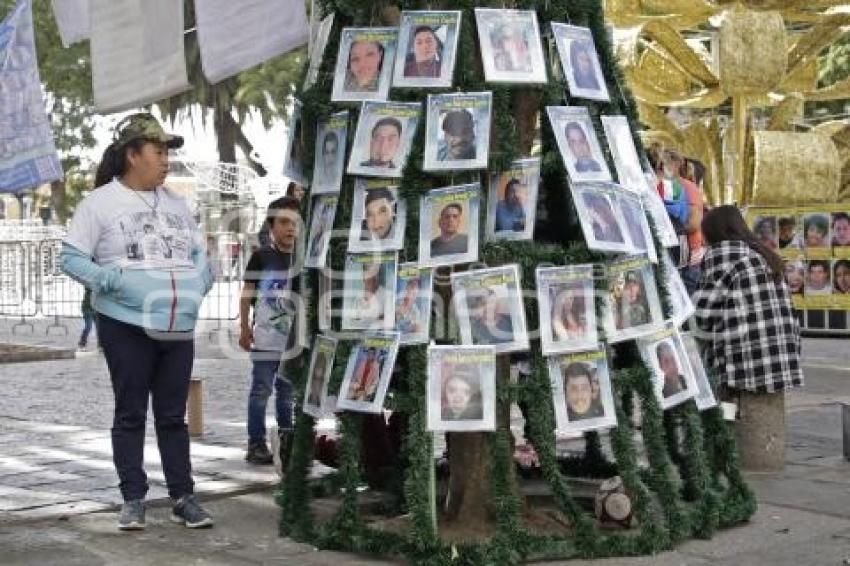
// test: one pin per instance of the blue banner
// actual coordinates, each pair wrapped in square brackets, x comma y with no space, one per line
[27,155]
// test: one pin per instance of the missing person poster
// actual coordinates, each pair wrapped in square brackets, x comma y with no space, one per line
[329,159]
[427,48]
[293,164]
[457,132]
[461,388]
[368,300]
[367,375]
[581,392]
[576,137]
[601,217]
[364,64]
[318,375]
[510,46]
[632,306]
[383,138]
[567,308]
[512,201]
[321,227]
[489,308]
[413,292]
[580,62]
[448,225]
[378,217]
[672,376]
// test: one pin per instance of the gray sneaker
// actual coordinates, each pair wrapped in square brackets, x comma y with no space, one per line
[132,517]
[186,510]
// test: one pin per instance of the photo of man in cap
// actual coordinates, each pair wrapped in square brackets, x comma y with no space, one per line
[458,136]
[632,308]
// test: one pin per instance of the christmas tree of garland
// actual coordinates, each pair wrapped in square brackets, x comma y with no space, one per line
[692,484]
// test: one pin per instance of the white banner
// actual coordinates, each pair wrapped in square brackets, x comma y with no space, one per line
[27,155]
[235,36]
[137,52]
[72,18]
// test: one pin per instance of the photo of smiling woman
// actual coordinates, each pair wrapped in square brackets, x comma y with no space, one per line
[364,64]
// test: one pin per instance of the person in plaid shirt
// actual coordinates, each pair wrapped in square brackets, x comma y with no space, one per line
[743,313]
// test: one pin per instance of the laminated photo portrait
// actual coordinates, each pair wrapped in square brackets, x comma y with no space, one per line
[510,46]
[622,146]
[461,388]
[382,141]
[764,227]
[601,219]
[293,164]
[581,392]
[489,308]
[566,299]
[580,62]
[636,223]
[705,395]
[367,374]
[681,305]
[841,277]
[458,131]
[789,234]
[672,376]
[331,135]
[840,234]
[818,280]
[632,306]
[319,373]
[378,217]
[512,201]
[368,299]
[321,228]
[413,294]
[577,142]
[364,64]
[448,225]
[427,48]
[795,276]
[816,235]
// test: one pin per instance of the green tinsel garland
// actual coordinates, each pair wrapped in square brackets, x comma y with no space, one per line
[708,453]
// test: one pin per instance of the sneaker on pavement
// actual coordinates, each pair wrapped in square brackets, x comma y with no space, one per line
[186,510]
[258,453]
[132,517]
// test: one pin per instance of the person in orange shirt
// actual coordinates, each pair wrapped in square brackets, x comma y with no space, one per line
[678,167]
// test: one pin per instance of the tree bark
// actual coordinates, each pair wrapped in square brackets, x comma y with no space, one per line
[225,134]
[469,479]
[57,200]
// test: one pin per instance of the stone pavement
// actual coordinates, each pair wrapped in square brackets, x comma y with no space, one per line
[57,485]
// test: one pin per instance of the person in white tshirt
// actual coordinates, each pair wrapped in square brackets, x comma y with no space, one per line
[135,244]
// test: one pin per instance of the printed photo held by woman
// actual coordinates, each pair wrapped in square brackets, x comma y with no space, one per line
[135,244]
[742,286]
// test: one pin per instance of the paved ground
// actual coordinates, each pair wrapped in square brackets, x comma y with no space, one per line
[57,485]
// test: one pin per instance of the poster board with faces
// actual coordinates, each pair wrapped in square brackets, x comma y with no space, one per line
[364,64]
[461,388]
[601,218]
[621,144]
[368,300]
[512,201]
[457,132]
[489,307]
[510,46]
[580,62]
[581,392]
[368,372]
[815,241]
[672,377]
[566,299]
[427,48]
[317,50]
[578,144]
[704,398]
[448,225]
[318,375]
[413,292]
[378,217]
[329,162]
[636,223]
[321,228]
[383,138]
[293,163]
[632,307]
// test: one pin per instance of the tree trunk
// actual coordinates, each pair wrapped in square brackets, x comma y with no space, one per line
[244,144]
[469,479]
[225,134]
[57,200]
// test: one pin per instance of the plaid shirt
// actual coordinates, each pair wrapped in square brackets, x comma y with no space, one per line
[746,318]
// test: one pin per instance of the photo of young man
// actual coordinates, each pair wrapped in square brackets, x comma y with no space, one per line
[510,211]
[382,139]
[458,140]
[816,230]
[321,226]
[632,307]
[490,317]
[384,143]
[328,167]
[840,229]
[451,240]
[461,398]
[578,144]
[380,215]
[817,277]
[788,236]
[582,398]
[317,377]
[674,382]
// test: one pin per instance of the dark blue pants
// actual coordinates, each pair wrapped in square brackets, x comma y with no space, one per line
[145,365]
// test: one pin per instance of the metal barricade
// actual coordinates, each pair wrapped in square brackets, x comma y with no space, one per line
[61,296]
[19,288]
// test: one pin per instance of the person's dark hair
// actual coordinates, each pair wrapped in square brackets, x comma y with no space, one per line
[380,52]
[840,263]
[574,126]
[818,221]
[822,263]
[764,222]
[433,32]
[576,370]
[576,49]
[725,223]
[836,216]
[454,205]
[114,161]
[787,221]
[290,189]
[283,203]
[696,170]
[330,137]
[653,154]
[377,194]
[388,121]
[664,349]
[511,186]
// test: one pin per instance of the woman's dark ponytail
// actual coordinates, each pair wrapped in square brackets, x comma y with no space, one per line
[108,168]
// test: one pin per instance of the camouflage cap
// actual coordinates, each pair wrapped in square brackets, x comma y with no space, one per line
[144,126]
